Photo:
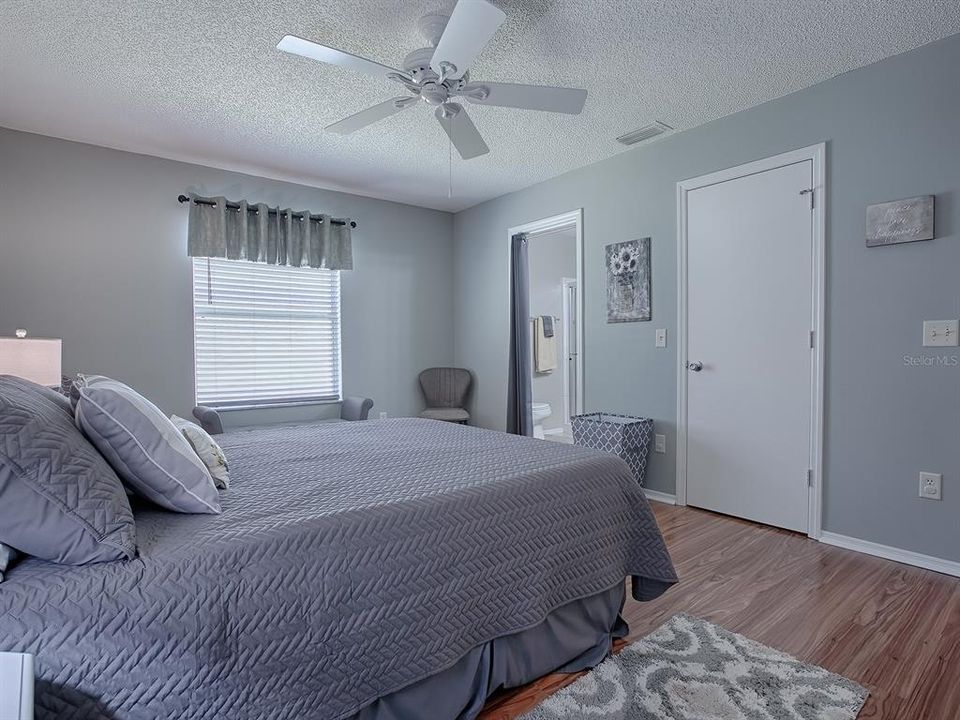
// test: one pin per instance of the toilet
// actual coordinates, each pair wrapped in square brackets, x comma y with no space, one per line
[541,411]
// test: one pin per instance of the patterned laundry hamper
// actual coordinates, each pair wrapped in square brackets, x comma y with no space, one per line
[624,435]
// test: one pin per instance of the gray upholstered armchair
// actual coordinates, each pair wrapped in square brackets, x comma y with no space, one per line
[446,390]
[353,407]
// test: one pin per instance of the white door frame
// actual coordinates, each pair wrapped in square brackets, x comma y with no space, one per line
[567,343]
[574,217]
[816,154]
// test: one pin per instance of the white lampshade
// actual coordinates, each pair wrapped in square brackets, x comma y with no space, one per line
[34,359]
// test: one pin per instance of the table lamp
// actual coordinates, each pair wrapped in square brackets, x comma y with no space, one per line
[33,359]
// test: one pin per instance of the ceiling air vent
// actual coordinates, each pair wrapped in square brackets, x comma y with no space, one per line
[647,132]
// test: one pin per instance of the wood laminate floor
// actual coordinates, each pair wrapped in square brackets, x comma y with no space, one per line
[893,628]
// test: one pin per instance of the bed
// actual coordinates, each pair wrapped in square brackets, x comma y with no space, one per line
[364,570]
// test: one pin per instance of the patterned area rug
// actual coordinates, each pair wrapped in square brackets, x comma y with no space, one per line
[690,669]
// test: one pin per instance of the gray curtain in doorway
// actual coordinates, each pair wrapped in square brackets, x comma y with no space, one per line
[519,399]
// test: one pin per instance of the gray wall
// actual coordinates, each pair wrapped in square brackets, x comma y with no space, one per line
[892,131]
[93,250]
[552,257]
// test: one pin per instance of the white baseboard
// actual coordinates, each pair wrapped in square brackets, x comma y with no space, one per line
[658,496]
[908,557]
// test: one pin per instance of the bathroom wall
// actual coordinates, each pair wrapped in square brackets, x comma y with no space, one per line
[552,257]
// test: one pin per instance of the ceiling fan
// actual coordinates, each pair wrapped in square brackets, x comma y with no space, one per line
[438,74]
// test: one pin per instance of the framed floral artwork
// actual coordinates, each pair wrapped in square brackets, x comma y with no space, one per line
[628,281]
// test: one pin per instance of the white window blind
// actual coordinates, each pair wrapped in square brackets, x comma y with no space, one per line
[265,334]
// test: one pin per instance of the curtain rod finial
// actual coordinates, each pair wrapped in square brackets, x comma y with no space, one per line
[182,198]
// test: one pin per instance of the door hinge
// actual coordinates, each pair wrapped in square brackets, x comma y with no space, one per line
[809,478]
[813,338]
[811,193]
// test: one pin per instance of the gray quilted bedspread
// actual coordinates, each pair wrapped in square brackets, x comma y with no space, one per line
[350,560]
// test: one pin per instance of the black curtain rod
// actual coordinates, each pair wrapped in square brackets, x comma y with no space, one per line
[234,206]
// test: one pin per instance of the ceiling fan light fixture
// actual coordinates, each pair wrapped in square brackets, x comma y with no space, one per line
[434,93]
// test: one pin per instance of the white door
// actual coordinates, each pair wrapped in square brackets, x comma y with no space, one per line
[749,319]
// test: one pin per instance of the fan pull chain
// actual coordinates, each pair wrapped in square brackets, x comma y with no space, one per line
[450,167]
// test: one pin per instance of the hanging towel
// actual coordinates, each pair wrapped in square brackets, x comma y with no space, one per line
[544,349]
[547,325]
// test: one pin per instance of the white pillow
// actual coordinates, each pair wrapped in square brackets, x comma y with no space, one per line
[207,449]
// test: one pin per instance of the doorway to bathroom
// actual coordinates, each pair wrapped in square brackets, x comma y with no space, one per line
[554,330]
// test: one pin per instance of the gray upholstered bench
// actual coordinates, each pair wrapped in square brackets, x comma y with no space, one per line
[352,408]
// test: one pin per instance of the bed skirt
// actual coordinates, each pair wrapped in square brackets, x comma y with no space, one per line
[574,637]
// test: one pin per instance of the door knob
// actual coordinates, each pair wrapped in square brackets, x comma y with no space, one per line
[695,366]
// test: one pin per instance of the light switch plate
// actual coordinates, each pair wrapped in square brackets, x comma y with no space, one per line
[661,340]
[660,443]
[931,485]
[940,333]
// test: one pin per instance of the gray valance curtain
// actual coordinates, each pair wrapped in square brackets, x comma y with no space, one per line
[258,233]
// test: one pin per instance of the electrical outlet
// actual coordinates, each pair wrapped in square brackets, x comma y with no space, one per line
[383,416]
[940,333]
[930,485]
[661,338]
[660,443]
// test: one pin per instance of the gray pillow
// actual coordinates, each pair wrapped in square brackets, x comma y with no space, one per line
[59,499]
[7,556]
[143,446]
[61,401]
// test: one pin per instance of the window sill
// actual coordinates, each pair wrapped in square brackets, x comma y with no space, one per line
[272,405]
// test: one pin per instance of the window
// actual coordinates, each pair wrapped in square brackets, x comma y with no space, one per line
[265,334]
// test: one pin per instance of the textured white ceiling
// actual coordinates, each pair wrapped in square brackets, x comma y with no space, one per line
[201,80]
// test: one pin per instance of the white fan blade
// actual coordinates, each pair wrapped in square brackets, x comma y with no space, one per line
[371,115]
[528,97]
[462,133]
[471,25]
[298,46]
